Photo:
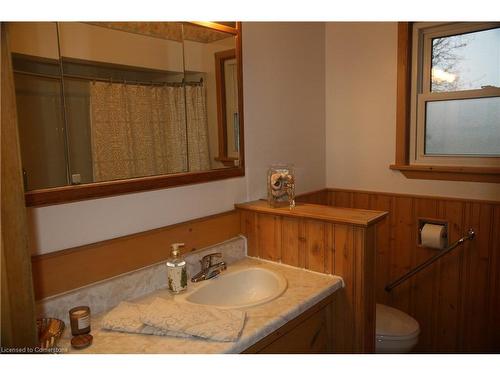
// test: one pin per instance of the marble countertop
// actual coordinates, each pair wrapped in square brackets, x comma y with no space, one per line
[305,289]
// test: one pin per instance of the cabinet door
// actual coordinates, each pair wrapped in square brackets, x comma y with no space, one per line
[310,336]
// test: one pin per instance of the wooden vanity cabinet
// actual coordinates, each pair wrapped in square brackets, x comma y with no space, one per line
[330,240]
[309,333]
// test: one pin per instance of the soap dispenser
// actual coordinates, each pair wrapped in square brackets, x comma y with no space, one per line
[176,270]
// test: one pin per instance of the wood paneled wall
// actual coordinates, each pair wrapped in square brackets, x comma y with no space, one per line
[457,299]
[321,246]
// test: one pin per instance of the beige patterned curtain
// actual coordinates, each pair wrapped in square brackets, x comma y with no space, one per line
[197,129]
[137,130]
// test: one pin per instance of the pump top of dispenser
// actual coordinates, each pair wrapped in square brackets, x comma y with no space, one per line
[175,248]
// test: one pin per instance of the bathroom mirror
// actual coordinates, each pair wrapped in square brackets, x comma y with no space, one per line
[213,60]
[114,107]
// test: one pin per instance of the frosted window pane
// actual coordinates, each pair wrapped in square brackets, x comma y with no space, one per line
[466,62]
[463,127]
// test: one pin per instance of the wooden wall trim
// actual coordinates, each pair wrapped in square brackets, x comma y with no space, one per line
[434,172]
[403,93]
[18,327]
[406,195]
[302,210]
[73,193]
[319,196]
[220,87]
[68,269]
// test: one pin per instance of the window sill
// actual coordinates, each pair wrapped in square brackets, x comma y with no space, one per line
[226,160]
[432,172]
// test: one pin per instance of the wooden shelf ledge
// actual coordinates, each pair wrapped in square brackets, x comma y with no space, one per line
[353,216]
[433,172]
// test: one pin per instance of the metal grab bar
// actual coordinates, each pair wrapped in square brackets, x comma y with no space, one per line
[470,235]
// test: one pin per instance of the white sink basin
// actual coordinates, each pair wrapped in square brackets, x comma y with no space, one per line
[239,288]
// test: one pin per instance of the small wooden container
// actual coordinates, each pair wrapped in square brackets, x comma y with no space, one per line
[79,318]
[81,341]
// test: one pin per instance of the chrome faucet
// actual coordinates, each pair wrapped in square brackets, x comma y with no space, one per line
[211,266]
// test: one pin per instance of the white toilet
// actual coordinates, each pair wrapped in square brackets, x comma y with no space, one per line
[396,331]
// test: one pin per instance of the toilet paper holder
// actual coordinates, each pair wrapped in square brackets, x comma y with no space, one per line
[423,220]
[469,236]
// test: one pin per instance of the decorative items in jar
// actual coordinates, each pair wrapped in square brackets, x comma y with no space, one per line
[49,332]
[281,185]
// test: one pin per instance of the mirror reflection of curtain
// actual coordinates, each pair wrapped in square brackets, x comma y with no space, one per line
[197,128]
[137,130]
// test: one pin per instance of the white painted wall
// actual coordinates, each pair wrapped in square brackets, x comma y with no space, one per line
[95,43]
[360,91]
[34,38]
[284,121]
[284,87]
[67,225]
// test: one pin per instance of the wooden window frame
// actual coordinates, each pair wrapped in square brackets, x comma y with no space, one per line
[403,159]
[220,59]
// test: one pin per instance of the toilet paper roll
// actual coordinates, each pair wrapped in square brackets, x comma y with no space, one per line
[433,236]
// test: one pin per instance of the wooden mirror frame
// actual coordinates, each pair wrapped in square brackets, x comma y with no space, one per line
[71,193]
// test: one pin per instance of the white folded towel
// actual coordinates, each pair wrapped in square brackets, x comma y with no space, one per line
[195,320]
[169,318]
[126,317]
